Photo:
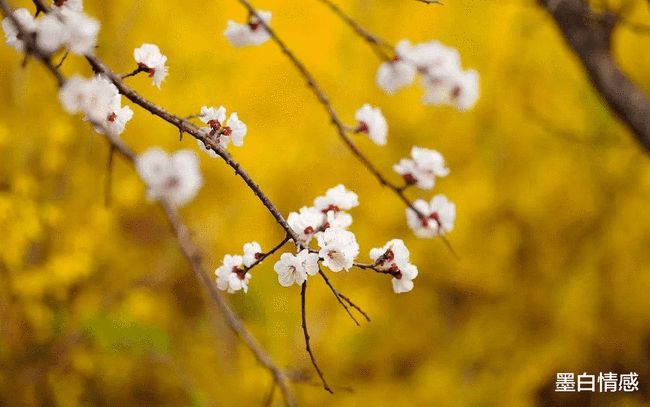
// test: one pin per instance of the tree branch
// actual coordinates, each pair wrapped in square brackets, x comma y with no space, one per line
[189,249]
[589,36]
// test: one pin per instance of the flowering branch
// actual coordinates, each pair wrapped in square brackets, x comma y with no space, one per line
[183,235]
[334,117]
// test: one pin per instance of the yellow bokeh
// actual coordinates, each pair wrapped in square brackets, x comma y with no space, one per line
[98,306]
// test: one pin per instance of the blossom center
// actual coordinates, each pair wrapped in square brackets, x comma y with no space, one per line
[331,207]
[410,178]
[239,272]
[363,127]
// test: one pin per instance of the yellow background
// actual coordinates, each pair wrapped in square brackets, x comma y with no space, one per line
[553,230]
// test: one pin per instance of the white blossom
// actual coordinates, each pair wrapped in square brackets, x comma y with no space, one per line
[395,75]
[251,33]
[252,252]
[151,60]
[231,276]
[393,254]
[439,216]
[404,282]
[75,5]
[443,79]
[306,222]
[431,56]
[295,269]
[338,248]
[337,219]
[337,198]
[222,131]
[423,167]
[67,28]
[175,177]
[100,102]
[12,34]
[212,116]
[459,89]
[372,122]
[394,257]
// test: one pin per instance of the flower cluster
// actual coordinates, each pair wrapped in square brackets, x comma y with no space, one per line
[222,131]
[65,27]
[100,102]
[250,33]
[233,274]
[393,259]
[175,178]
[443,79]
[328,211]
[422,168]
[326,222]
[152,61]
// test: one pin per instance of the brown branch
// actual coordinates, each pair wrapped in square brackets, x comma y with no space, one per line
[189,249]
[589,36]
[303,295]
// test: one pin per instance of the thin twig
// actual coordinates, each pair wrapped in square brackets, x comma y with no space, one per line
[268,399]
[338,296]
[132,73]
[63,58]
[303,294]
[355,306]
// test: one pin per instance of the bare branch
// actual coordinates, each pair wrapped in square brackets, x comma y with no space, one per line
[589,35]
[303,294]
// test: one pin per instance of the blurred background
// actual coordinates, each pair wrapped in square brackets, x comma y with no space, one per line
[98,306]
